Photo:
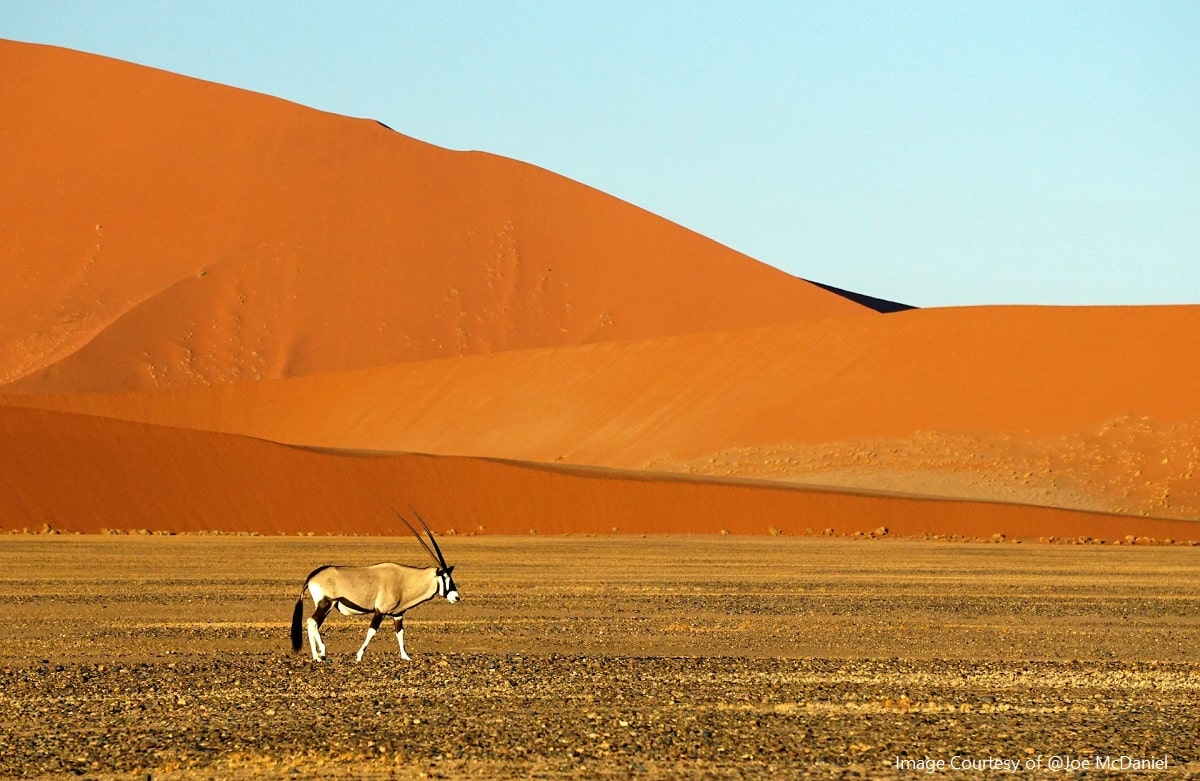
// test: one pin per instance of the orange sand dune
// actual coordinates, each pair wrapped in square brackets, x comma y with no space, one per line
[1029,404]
[160,231]
[60,471]
[1027,371]
[190,265]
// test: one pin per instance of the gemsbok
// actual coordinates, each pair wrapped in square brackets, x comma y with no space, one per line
[385,589]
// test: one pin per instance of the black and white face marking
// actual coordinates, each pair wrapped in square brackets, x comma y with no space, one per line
[446,587]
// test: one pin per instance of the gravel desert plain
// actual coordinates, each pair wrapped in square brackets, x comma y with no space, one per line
[605,657]
[708,519]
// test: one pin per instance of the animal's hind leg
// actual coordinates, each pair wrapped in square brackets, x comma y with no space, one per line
[399,623]
[376,620]
[314,630]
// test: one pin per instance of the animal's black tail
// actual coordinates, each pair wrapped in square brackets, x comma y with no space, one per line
[297,617]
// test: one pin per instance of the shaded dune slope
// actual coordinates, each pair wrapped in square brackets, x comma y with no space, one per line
[165,231]
[187,481]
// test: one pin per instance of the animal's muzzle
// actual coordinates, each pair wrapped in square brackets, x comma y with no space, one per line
[452,597]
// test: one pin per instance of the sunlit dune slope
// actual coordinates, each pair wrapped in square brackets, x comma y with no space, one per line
[1094,408]
[161,231]
[60,472]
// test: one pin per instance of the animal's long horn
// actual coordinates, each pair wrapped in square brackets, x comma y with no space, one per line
[441,558]
[417,534]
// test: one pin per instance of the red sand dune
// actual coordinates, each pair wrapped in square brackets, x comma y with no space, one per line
[1025,370]
[869,403]
[167,232]
[62,473]
[228,265]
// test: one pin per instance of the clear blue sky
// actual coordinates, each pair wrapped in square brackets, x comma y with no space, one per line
[936,153]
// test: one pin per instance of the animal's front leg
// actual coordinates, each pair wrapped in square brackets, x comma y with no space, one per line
[376,620]
[399,622]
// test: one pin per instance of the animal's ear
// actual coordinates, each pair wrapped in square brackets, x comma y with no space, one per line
[449,569]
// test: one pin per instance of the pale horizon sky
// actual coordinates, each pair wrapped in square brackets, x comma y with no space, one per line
[934,153]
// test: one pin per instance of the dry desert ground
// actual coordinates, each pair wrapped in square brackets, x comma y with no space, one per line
[604,657]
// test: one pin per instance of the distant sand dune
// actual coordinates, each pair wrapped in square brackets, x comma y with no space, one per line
[228,311]
[1070,408]
[61,472]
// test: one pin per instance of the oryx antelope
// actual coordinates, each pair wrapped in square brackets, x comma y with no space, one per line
[385,589]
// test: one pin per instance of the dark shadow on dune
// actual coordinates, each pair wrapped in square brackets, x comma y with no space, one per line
[878,304]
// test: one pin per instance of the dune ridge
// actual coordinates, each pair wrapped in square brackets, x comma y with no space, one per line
[290,319]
